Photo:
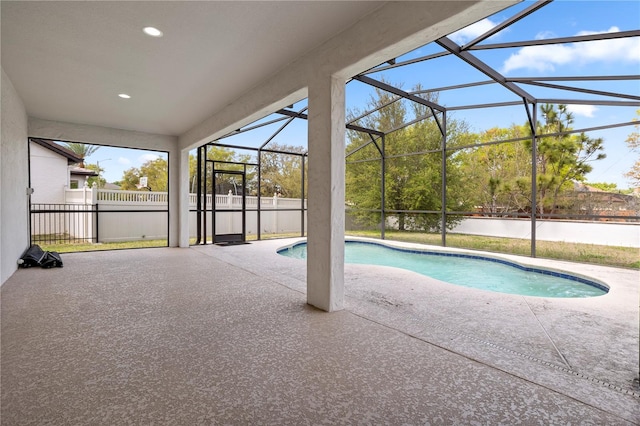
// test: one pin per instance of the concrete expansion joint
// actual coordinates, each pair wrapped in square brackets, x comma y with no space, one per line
[560,354]
[546,363]
[510,351]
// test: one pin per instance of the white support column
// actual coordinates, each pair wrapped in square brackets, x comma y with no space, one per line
[325,237]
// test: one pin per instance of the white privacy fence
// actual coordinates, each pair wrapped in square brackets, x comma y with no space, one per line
[117,215]
[114,215]
[277,215]
[600,233]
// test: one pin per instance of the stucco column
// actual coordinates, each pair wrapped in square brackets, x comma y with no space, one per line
[325,229]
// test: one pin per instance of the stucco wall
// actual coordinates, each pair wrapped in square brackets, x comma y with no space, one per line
[49,175]
[14,179]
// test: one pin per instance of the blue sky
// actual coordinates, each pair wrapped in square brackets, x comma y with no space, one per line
[559,19]
[114,161]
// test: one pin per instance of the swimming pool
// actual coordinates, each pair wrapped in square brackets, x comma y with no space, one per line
[469,270]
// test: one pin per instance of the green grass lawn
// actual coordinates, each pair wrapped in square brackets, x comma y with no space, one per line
[66,247]
[75,247]
[622,257]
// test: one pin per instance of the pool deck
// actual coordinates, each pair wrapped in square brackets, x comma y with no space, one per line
[216,334]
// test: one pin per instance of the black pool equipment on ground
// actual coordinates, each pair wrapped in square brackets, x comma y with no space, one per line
[35,256]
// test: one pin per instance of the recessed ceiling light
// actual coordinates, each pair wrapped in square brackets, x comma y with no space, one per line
[153,32]
[124,96]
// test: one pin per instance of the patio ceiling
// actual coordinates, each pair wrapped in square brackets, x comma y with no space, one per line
[70,60]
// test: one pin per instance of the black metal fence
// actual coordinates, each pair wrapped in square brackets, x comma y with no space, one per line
[90,224]
[64,223]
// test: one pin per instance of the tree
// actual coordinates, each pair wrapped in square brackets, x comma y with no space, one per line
[561,158]
[282,173]
[224,182]
[499,175]
[633,142]
[83,150]
[492,172]
[413,164]
[156,172]
[130,179]
[98,180]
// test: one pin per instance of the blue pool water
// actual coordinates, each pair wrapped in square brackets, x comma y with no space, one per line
[485,273]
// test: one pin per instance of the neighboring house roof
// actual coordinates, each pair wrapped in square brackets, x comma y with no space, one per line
[581,187]
[610,196]
[111,186]
[82,171]
[59,149]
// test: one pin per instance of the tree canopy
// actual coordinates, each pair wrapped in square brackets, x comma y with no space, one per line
[562,159]
[223,182]
[282,173]
[494,174]
[156,172]
[98,180]
[412,164]
[633,142]
[499,174]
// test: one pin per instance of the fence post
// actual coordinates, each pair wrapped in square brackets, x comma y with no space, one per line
[94,193]
[231,215]
[85,187]
[93,215]
[275,213]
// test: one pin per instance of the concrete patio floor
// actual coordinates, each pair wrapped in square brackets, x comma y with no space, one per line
[222,335]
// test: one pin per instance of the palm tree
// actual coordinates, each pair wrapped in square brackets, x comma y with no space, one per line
[81,149]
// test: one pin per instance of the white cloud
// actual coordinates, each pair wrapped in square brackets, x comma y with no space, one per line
[472,31]
[583,110]
[147,157]
[544,35]
[539,58]
[547,58]
[124,161]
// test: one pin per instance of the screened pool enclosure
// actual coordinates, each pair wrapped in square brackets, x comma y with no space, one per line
[449,140]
